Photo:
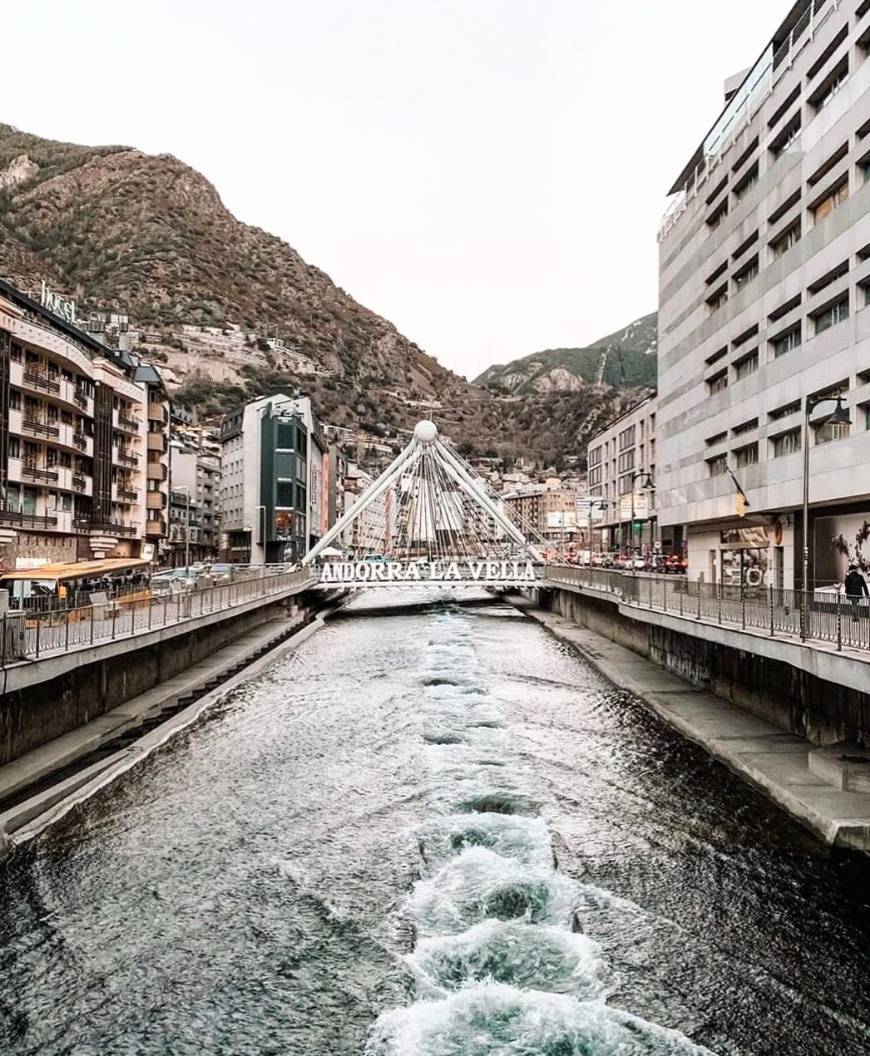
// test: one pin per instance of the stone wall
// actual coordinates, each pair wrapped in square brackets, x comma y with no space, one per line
[32,717]
[793,699]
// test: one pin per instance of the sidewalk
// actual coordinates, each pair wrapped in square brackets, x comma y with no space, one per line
[775,762]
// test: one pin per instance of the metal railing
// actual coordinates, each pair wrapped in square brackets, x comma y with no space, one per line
[828,616]
[43,634]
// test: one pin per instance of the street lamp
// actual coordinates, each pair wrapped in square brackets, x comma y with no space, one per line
[646,486]
[839,416]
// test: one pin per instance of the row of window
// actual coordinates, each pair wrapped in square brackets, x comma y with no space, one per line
[786,443]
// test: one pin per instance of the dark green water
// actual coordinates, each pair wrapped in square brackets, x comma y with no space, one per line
[436,834]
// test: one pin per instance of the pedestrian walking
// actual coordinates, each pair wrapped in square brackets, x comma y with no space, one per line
[856,588]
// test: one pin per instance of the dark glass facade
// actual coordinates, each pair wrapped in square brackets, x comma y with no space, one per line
[283,496]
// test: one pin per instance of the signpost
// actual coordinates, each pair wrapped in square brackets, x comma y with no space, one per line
[62,307]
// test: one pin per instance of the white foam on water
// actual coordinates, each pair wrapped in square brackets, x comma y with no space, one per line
[511,836]
[494,1019]
[478,883]
[541,956]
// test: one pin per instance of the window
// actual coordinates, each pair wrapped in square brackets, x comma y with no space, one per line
[717,355]
[785,410]
[744,246]
[626,438]
[714,275]
[832,200]
[864,288]
[830,85]
[747,273]
[746,183]
[822,171]
[784,309]
[745,427]
[718,299]
[781,210]
[717,382]
[14,447]
[783,242]
[746,366]
[786,443]
[831,315]
[829,277]
[717,216]
[595,456]
[718,466]
[787,136]
[746,456]
[787,341]
[864,410]
[626,461]
[717,439]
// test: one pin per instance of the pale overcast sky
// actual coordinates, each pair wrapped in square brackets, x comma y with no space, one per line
[488,174]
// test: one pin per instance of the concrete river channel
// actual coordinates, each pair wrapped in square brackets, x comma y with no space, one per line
[433,832]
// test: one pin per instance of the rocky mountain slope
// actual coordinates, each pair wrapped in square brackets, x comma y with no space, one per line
[628,358]
[229,311]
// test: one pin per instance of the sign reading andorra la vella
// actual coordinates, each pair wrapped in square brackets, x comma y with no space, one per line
[57,305]
[462,571]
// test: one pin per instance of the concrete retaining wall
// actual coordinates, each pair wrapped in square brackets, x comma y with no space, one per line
[105,678]
[782,691]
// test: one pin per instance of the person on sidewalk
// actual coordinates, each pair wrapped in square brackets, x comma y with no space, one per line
[856,588]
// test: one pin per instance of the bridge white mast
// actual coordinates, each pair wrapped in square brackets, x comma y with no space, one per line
[433,507]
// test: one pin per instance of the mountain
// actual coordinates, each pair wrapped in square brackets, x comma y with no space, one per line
[630,363]
[229,311]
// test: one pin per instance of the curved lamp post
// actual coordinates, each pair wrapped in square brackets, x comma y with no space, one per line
[839,416]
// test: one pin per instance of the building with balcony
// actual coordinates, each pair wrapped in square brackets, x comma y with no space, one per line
[621,473]
[546,510]
[194,471]
[72,441]
[764,298]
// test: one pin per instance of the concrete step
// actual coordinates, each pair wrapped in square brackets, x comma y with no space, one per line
[843,766]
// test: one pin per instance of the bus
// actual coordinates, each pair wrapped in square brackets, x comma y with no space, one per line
[61,586]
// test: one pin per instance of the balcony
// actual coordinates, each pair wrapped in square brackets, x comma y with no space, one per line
[155,528]
[30,471]
[127,493]
[156,470]
[79,483]
[155,500]
[38,428]
[35,379]
[80,441]
[127,457]
[87,524]
[80,397]
[127,423]
[157,442]
[10,514]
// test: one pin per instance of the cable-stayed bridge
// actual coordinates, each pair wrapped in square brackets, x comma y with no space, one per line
[428,518]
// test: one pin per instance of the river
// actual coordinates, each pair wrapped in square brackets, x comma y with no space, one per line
[432,833]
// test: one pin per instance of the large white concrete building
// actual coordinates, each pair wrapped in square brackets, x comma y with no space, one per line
[764,286]
[83,440]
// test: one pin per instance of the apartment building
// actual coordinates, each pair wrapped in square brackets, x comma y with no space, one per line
[74,436]
[764,286]
[547,510]
[621,474]
[195,474]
